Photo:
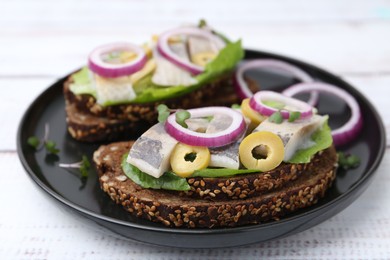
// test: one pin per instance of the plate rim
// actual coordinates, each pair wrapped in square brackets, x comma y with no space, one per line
[368,174]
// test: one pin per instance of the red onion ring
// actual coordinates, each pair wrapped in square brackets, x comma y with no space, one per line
[352,127]
[166,52]
[257,103]
[224,137]
[105,69]
[243,89]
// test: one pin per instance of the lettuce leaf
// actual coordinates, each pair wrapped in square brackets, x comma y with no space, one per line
[147,91]
[82,83]
[220,172]
[322,139]
[168,181]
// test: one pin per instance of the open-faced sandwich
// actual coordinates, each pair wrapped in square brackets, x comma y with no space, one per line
[116,95]
[219,166]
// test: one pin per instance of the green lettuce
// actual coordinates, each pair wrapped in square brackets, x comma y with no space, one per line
[82,83]
[147,91]
[322,139]
[168,181]
[220,172]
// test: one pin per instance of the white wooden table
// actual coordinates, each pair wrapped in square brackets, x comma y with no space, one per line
[42,40]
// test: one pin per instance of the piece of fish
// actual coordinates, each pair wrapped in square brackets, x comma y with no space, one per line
[218,123]
[180,49]
[197,124]
[113,90]
[198,44]
[295,135]
[225,156]
[152,151]
[169,74]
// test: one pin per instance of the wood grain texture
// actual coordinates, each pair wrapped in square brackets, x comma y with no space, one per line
[53,39]
[43,40]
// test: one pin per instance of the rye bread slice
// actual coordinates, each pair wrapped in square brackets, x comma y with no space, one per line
[89,128]
[247,185]
[255,184]
[177,211]
[216,93]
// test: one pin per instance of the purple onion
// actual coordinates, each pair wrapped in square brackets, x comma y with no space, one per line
[108,70]
[224,137]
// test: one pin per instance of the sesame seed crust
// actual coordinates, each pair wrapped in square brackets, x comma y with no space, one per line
[182,211]
[251,185]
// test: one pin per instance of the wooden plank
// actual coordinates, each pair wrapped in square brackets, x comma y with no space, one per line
[20,94]
[340,48]
[41,38]
[178,11]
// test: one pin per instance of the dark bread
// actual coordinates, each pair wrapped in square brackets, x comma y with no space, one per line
[217,93]
[89,128]
[251,185]
[180,211]
[90,122]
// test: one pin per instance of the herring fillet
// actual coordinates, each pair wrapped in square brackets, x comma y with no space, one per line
[198,44]
[180,50]
[197,124]
[218,123]
[169,74]
[225,156]
[295,135]
[113,90]
[151,152]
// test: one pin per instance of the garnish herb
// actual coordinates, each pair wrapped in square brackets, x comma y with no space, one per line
[84,165]
[348,161]
[163,113]
[236,106]
[33,141]
[181,116]
[276,118]
[51,147]
[37,144]
[294,116]
[202,23]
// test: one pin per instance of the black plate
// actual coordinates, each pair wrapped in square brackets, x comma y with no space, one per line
[87,199]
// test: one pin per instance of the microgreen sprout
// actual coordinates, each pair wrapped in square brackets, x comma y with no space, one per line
[294,116]
[37,144]
[276,117]
[181,117]
[163,113]
[84,165]
[348,161]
